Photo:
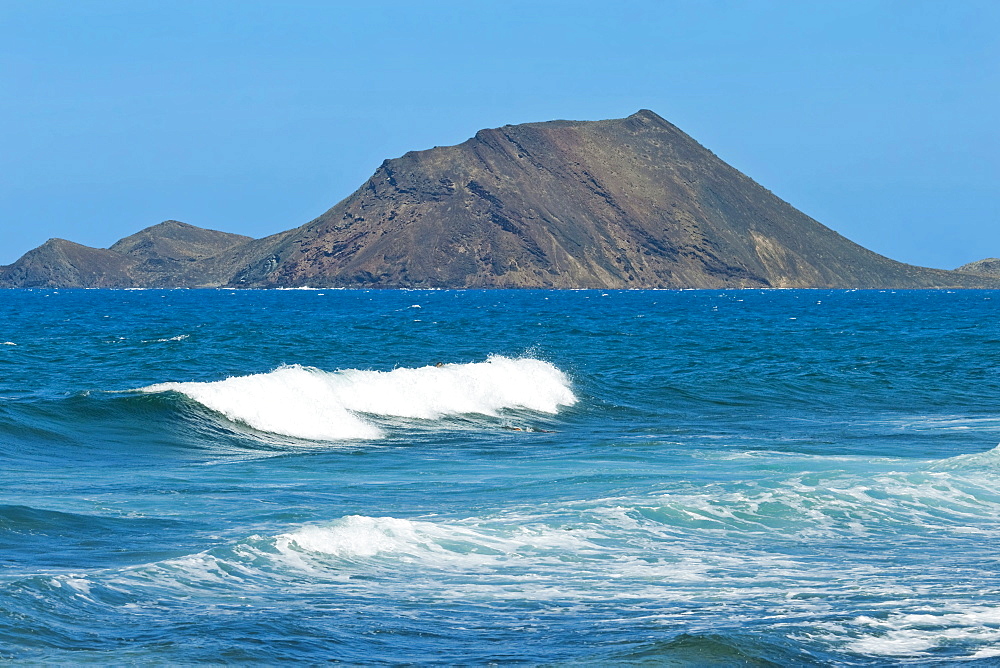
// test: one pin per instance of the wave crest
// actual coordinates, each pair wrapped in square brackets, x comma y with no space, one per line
[988,460]
[309,403]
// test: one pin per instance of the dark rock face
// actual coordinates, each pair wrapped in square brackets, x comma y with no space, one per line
[988,267]
[624,203]
[164,255]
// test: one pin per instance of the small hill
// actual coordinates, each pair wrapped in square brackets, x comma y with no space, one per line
[62,264]
[165,254]
[177,241]
[987,267]
[158,256]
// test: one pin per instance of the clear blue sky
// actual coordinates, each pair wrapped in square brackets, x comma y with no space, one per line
[879,119]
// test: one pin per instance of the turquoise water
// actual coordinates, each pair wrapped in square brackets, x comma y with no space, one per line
[654,477]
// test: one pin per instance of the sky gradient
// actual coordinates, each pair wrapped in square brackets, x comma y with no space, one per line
[879,119]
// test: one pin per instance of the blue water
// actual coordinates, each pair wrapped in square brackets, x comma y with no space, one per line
[677,478]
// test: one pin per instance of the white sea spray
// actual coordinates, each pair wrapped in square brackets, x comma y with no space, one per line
[309,403]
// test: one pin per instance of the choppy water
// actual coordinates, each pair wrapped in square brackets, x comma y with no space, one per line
[679,478]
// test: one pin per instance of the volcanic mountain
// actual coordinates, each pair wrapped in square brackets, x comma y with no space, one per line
[624,203]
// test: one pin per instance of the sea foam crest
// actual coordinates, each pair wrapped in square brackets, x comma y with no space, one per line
[309,403]
[359,537]
[989,460]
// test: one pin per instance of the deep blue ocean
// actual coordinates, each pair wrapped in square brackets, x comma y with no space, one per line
[510,477]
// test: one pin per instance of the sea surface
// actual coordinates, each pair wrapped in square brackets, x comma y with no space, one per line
[511,477]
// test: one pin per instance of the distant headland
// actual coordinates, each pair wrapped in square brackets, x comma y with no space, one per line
[622,203]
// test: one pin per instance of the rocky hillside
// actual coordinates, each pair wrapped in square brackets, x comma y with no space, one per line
[166,255]
[624,203]
[988,267]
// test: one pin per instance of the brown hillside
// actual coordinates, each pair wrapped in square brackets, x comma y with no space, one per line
[626,203]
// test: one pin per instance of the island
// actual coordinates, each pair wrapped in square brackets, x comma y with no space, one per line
[630,203]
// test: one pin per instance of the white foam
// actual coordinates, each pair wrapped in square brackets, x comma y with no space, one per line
[181,337]
[357,536]
[913,634]
[989,460]
[293,401]
[80,584]
[435,545]
[900,643]
[309,403]
[432,392]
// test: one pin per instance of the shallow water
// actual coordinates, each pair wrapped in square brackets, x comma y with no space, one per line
[685,478]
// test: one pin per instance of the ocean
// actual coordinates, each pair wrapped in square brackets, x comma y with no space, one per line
[785,477]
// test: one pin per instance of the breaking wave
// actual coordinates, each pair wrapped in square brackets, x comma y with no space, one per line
[309,403]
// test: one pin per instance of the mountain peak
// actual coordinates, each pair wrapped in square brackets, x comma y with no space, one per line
[648,115]
[171,225]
